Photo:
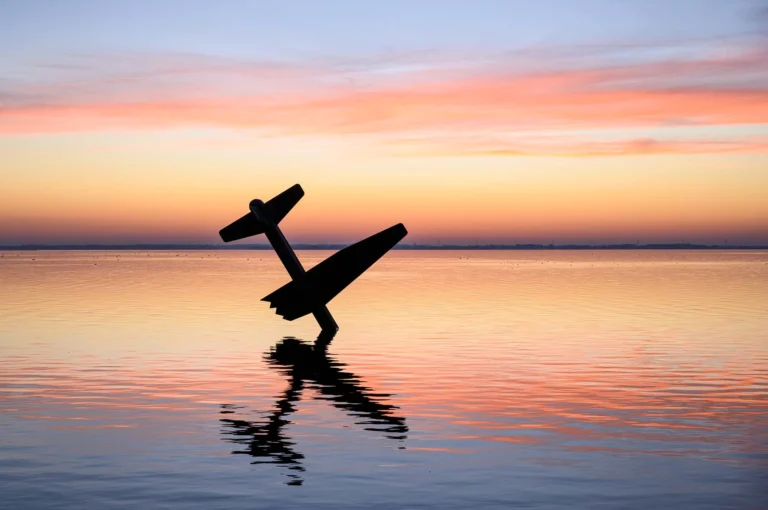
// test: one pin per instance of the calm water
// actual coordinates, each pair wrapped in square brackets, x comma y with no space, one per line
[458,380]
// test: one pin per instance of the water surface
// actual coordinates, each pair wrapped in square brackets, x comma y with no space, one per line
[606,379]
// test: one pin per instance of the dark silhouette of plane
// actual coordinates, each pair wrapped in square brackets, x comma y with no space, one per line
[309,366]
[309,291]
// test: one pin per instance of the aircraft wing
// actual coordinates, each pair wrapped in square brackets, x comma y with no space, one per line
[324,281]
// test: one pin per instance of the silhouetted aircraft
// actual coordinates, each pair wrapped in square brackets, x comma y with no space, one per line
[309,291]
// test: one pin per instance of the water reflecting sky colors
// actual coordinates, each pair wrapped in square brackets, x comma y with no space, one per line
[606,379]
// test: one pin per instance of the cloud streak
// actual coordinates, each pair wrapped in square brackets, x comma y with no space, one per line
[565,147]
[447,103]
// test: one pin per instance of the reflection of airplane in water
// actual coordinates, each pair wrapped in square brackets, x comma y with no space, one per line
[309,365]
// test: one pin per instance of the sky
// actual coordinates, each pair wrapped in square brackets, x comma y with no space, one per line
[555,121]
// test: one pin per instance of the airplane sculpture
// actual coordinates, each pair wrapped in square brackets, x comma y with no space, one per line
[309,291]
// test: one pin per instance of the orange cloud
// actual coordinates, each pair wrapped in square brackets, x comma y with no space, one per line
[435,104]
[563,146]
[561,101]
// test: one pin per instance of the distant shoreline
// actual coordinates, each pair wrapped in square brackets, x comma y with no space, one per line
[415,247]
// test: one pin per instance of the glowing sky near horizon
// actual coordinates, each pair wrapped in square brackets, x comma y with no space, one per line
[507,121]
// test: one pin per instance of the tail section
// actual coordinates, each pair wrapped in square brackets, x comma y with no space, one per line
[255,222]
[324,281]
[246,226]
[281,205]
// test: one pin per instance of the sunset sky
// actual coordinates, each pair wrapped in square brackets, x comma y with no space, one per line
[477,121]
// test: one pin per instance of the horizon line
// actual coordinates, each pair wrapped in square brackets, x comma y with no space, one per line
[401,246]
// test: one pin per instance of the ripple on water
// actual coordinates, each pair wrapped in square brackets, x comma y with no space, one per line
[488,379]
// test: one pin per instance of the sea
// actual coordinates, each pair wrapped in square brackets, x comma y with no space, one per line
[543,379]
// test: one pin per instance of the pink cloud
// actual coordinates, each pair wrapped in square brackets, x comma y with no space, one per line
[438,102]
[569,147]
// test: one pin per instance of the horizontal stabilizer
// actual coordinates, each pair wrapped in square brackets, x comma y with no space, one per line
[324,281]
[272,212]
[246,226]
[282,204]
